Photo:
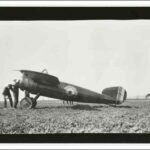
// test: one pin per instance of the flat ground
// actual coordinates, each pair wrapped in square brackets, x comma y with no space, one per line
[54,117]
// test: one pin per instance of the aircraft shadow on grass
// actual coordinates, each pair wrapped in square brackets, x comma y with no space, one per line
[75,107]
[84,107]
[88,107]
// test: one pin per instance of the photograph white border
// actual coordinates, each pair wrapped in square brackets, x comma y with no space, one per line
[75,146]
[74,4]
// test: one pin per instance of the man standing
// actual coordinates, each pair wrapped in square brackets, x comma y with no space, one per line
[27,94]
[15,90]
[7,95]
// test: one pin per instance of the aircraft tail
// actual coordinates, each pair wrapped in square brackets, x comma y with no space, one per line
[118,93]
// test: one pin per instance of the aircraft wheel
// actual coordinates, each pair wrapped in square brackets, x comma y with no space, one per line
[26,103]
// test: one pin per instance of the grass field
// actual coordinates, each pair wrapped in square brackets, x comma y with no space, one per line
[54,117]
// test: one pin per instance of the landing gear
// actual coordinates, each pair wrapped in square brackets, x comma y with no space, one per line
[26,103]
[34,103]
[29,102]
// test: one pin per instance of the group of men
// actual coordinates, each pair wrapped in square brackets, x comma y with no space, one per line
[14,88]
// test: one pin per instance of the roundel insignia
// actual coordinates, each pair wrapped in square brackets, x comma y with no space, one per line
[70,91]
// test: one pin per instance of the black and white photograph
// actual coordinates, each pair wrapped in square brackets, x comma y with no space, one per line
[75,76]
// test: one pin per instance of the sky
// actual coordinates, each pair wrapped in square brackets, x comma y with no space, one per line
[93,54]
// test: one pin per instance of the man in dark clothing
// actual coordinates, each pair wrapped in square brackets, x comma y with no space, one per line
[15,90]
[16,93]
[7,95]
[27,94]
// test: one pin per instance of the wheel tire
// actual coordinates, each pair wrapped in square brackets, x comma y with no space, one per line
[26,103]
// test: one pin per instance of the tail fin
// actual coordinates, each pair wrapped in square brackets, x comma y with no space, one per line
[118,93]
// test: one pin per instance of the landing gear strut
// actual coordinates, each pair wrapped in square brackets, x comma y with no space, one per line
[29,102]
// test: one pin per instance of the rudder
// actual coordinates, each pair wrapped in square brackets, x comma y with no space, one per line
[118,93]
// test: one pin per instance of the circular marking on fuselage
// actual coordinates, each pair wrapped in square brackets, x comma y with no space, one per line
[70,91]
